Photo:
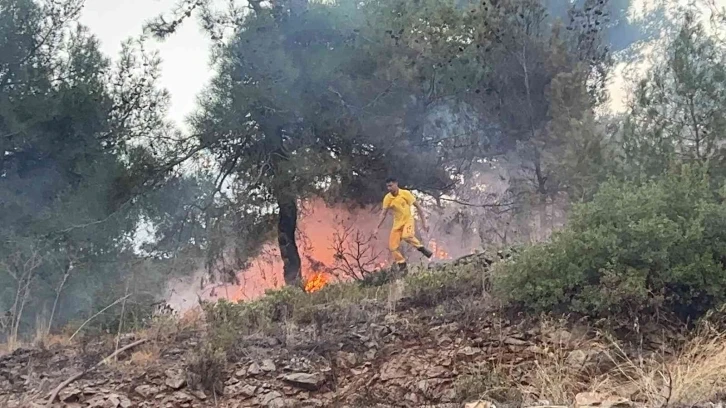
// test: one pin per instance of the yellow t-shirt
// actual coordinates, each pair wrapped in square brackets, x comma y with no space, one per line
[400,204]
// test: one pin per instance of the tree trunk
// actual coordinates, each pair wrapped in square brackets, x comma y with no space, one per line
[284,192]
[286,227]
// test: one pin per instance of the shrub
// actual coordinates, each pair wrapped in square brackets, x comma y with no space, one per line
[205,368]
[634,249]
[430,287]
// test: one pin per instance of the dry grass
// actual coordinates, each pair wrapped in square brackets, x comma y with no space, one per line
[146,355]
[695,374]
[10,345]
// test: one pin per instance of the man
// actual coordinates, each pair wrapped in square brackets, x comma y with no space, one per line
[399,201]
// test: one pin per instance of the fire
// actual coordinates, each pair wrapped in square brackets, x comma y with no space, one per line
[316,282]
[318,226]
[438,250]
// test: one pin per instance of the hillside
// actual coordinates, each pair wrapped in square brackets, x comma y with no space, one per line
[433,338]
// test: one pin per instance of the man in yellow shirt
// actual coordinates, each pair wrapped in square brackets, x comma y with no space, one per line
[399,201]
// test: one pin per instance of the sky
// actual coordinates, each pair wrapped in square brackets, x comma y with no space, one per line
[185,55]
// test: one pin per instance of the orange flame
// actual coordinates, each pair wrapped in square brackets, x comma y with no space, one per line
[316,282]
[318,227]
[438,250]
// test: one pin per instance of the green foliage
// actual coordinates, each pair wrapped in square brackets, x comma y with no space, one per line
[677,112]
[72,131]
[633,250]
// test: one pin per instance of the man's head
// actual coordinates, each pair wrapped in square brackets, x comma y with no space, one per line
[392,185]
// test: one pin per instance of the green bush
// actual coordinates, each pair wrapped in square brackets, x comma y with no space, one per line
[634,249]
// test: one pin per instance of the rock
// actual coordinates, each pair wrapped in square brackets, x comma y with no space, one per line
[444,341]
[125,402]
[480,404]
[594,399]
[240,389]
[313,403]
[347,360]
[102,402]
[175,379]
[272,399]
[268,366]
[511,341]
[448,395]
[411,397]
[310,382]
[147,391]
[241,373]
[182,397]
[468,351]
[199,394]
[69,395]
[111,400]
[254,369]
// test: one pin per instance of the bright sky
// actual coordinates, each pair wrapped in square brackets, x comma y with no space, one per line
[185,55]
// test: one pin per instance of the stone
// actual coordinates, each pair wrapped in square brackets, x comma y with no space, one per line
[254,369]
[594,399]
[268,366]
[469,351]
[310,382]
[480,404]
[240,389]
[181,396]
[175,379]
[69,395]
[102,402]
[511,341]
[125,402]
[313,403]
[347,360]
[241,373]
[147,391]
[199,394]
[272,399]
[448,395]
[444,341]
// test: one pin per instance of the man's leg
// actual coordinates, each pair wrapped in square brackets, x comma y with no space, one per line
[394,243]
[410,237]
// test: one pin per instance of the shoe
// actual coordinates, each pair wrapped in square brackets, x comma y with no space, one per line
[426,252]
[403,267]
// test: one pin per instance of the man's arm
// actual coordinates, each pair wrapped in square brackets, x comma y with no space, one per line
[421,214]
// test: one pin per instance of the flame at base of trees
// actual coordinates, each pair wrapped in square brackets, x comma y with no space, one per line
[316,282]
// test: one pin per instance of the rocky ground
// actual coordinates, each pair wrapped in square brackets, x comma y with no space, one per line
[459,352]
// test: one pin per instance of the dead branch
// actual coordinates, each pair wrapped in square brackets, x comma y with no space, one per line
[354,253]
[65,383]
[117,301]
